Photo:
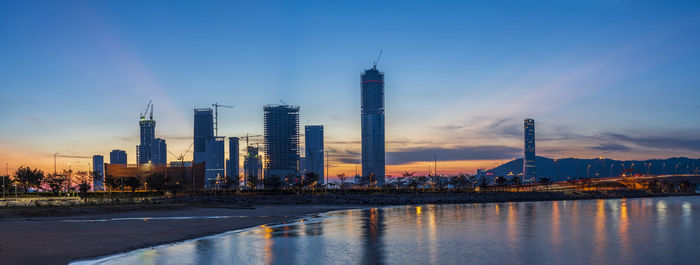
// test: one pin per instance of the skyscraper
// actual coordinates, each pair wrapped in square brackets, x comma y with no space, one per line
[233,162]
[252,165]
[373,160]
[203,133]
[117,157]
[159,152]
[98,167]
[314,150]
[148,133]
[529,151]
[214,164]
[281,140]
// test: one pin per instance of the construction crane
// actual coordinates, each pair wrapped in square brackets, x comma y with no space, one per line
[149,105]
[181,157]
[247,136]
[374,65]
[216,116]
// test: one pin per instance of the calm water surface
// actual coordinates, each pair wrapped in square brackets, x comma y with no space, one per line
[621,231]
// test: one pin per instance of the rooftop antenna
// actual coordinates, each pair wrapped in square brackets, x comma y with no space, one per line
[374,66]
[283,103]
[151,116]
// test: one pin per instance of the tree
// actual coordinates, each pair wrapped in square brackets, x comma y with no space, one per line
[342,179]
[483,182]
[155,181]
[55,182]
[6,182]
[84,182]
[132,182]
[310,178]
[29,178]
[112,182]
[546,182]
[272,182]
[252,181]
[501,181]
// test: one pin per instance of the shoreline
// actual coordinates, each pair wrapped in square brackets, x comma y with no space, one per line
[64,235]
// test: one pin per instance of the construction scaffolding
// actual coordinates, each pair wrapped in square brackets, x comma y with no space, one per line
[281,140]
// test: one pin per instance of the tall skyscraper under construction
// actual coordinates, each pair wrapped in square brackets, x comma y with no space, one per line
[281,140]
[147,133]
[313,141]
[372,97]
[529,152]
[203,133]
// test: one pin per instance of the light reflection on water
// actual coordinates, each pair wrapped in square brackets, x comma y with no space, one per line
[624,231]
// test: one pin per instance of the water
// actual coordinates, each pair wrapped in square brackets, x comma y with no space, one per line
[621,231]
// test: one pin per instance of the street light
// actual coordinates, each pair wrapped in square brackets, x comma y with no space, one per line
[588,171]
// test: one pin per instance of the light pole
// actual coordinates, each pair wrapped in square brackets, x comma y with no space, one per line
[676,171]
[588,171]
[664,166]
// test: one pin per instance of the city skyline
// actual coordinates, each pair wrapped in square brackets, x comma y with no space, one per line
[459,94]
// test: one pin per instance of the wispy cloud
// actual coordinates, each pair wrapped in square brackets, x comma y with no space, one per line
[486,152]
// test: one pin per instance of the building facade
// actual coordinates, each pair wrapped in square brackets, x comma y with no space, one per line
[214,163]
[148,133]
[529,152]
[159,152]
[252,164]
[313,151]
[281,134]
[372,115]
[203,133]
[232,164]
[117,157]
[98,169]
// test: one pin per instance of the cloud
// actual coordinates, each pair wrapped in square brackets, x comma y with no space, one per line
[661,142]
[611,147]
[486,152]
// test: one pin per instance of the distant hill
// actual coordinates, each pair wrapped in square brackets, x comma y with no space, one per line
[576,168]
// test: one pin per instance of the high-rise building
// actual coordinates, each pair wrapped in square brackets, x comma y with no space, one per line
[233,163]
[117,157]
[148,133]
[214,163]
[529,152]
[252,164]
[159,152]
[203,133]
[313,158]
[373,160]
[98,178]
[281,140]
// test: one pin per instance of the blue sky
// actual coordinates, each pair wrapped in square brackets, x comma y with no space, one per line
[619,79]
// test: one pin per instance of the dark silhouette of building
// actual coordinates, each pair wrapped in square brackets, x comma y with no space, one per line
[281,140]
[117,157]
[203,133]
[313,159]
[373,150]
[159,152]
[98,178]
[529,152]
[232,164]
[148,133]
[186,177]
[252,164]
[214,164]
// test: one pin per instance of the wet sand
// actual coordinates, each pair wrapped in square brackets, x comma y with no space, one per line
[60,240]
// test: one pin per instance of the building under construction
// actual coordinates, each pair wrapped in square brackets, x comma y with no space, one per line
[281,140]
[191,177]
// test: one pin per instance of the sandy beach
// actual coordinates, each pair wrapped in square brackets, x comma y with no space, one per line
[62,239]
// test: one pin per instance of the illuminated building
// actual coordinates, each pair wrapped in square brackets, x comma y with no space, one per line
[98,166]
[529,152]
[373,152]
[281,140]
[214,163]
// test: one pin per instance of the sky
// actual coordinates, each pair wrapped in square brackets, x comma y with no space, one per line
[617,79]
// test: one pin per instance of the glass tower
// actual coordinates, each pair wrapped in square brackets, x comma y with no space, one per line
[529,154]
[203,133]
[281,140]
[373,161]
[314,150]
